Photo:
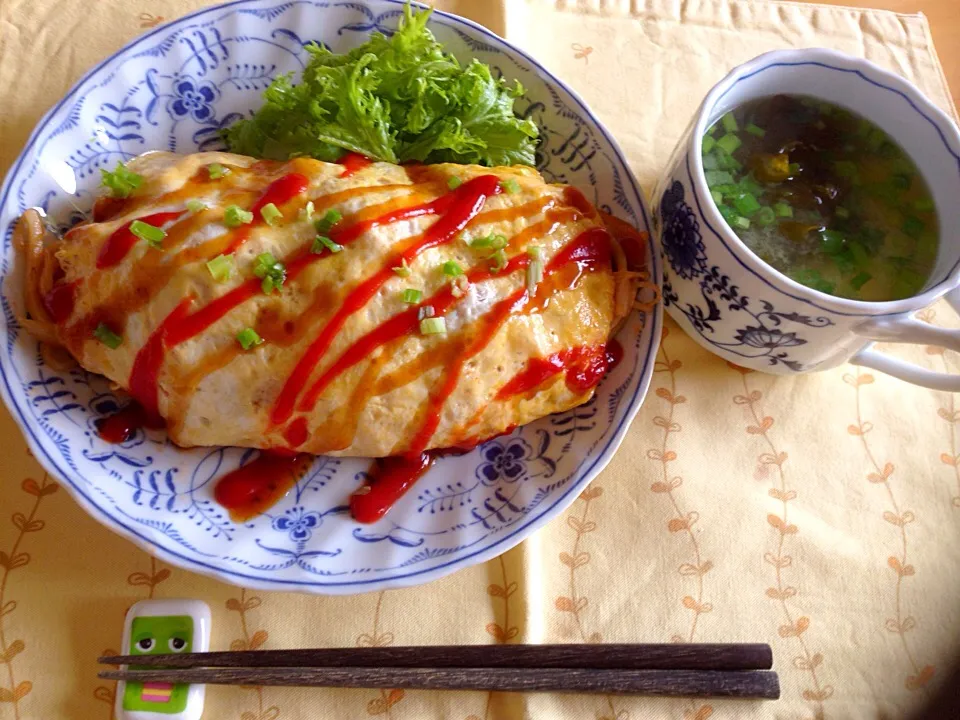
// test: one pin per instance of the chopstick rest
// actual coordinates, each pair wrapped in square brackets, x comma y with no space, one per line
[155,628]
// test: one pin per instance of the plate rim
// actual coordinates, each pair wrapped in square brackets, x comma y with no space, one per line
[499,546]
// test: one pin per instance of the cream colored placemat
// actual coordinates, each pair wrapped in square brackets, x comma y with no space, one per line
[820,514]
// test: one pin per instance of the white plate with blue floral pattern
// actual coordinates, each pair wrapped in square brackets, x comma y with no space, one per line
[174,89]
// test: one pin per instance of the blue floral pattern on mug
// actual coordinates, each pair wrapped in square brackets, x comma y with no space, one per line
[680,237]
[685,252]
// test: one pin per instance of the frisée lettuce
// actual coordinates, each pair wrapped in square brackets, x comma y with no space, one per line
[397,99]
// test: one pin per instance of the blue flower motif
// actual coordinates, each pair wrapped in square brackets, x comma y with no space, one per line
[767,338]
[681,239]
[297,523]
[192,98]
[503,460]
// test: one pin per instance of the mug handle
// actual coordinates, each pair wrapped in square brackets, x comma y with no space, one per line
[905,329]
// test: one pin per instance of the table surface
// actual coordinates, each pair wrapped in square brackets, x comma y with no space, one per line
[944,17]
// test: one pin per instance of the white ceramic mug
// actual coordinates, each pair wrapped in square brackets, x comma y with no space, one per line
[742,309]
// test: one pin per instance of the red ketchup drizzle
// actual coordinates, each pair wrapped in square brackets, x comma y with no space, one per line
[353,162]
[121,426]
[146,366]
[392,477]
[396,327]
[535,374]
[122,240]
[59,301]
[467,201]
[251,489]
[584,366]
[279,192]
[184,326]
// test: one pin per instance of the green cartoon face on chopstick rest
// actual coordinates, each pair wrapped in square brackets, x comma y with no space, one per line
[158,635]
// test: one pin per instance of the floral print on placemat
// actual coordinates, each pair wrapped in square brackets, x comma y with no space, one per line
[901,623]
[693,566]
[251,641]
[13,689]
[771,463]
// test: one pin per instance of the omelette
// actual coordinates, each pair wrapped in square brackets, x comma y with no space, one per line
[356,308]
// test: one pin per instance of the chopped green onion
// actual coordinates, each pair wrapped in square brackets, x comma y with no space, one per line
[451,268]
[717,196]
[710,162]
[217,171]
[756,130]
[860,279]
[122,182]
[924,205]
[221,267]
[859,254]
[306,212]
[270,214]
[912,226]
[235,216]
[426,311]
[842,212]
[107,336]
[494,242]
[403,270]
[741,222]
[320,242]
[833,241]
[499,259]
[794,168]
[195,206]
[412,296]
[707,144]
[248,338]
[901,181]
[433,326]
[272,272]
[534,275]
[454,182]
[718,177]
[888,150]
[510,186]
[153,235]
[326,223]
[711,129]
[725,160]
[729,143]
[746,204]
[876,139]
[765,216]
[535,252]
[783,210]
[729,123]
[726,188]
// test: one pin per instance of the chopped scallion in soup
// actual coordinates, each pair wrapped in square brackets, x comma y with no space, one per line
[824,196]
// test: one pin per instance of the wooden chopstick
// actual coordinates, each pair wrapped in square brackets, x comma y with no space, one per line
[614,656]
[692,683]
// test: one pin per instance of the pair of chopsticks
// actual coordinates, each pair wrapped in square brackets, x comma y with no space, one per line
[697,670]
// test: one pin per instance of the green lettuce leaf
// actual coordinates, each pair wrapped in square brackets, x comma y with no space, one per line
[395,99]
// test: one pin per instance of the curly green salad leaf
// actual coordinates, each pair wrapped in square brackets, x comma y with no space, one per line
[395,99]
